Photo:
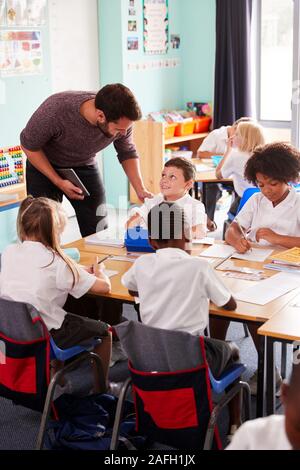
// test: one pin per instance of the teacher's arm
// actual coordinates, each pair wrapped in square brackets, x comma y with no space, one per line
[133,172]
[129,159]
[39,160]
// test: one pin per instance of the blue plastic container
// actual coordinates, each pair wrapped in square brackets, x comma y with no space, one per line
[136,239]
[73,253]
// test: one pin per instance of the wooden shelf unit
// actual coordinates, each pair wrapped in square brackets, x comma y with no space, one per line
[150,141]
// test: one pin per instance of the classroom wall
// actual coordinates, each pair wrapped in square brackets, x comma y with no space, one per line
[21,95]
[194,21]
[199,44]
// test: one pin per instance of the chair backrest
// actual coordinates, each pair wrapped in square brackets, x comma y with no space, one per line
[150,349]
[25,358]
[170,384]
[246,195]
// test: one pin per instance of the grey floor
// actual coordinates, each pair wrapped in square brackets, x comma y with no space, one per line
[19,426]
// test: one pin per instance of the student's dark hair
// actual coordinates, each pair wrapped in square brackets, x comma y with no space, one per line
[166,221]
[117,101]
[188,169]
[278,161]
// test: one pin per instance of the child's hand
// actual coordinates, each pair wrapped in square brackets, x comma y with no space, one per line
[96,267]
[266,234]
[242,245]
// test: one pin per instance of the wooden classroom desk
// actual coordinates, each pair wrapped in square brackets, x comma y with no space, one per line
[258,314]
[11,197]
[206,177]
[284,327]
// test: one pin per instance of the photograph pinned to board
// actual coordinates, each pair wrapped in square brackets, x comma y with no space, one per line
[131,11]
[16,12]
[20,53]
[156,26]
[175,41]
[131,3]
[132,43]
[36,12]
[132,25]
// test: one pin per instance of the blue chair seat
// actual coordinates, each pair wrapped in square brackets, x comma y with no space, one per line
[65,354]
[227,378]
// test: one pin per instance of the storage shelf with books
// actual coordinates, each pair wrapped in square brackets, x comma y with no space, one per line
[149,138]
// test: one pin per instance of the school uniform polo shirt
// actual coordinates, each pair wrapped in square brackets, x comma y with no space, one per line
[216,141]
[194,210]
[174,290]
[33,274]
[259,212]
[234,168]
[261,434]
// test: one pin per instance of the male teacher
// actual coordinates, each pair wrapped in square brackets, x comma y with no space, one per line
[67,131]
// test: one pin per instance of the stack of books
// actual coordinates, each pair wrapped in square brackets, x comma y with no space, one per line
[288,261]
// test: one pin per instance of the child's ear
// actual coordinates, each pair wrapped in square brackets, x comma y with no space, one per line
[189,184]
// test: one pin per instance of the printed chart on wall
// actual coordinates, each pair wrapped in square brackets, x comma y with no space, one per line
[156,26]
[22,13]
[20,53]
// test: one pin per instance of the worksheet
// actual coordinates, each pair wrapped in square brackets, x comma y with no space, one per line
[270,289]
[223,251]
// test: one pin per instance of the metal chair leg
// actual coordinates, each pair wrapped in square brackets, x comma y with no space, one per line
[246,330]
[119,413]
[54,381]
[283,359]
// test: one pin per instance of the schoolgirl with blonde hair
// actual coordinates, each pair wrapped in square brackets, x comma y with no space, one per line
[38,272]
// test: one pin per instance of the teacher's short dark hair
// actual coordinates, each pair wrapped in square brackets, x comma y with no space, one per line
[117,101]
[278,161]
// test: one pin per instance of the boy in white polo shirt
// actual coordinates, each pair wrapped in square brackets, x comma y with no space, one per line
[176,180]
[276,432]
[175,288]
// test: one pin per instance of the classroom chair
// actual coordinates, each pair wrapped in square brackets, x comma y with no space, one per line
[26,349]
[230,217]
[172,387]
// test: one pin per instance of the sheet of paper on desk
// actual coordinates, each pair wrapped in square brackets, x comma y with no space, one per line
[218,250]
[270,289]
[222,251]
[122,258]
[100,239]
[110,273]
[255,254]
[204,241]
[201,167]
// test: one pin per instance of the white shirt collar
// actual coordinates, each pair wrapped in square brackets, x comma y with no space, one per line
[172,253]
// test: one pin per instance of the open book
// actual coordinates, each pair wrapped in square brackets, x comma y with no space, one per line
[101,238]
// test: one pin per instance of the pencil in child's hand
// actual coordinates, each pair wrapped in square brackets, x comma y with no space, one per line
[244,235]
[103,259]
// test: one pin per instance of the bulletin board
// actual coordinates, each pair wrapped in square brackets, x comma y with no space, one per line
[155,26]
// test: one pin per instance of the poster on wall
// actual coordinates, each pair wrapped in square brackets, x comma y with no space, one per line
[22,13]
[156,26]
[20,53]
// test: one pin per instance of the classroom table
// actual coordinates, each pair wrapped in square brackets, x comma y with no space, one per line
[11,197]
[207,177]
[284,327]
[244,312]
